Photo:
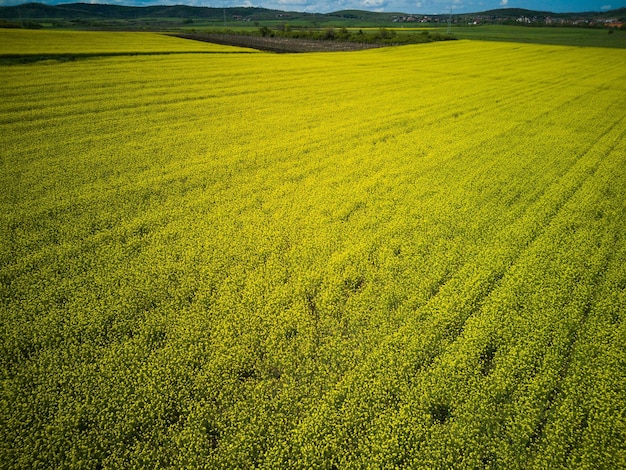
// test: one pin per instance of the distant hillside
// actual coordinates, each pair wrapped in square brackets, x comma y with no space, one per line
[87,10]
[364,15]
[521,12]
[515,12]
[95,12]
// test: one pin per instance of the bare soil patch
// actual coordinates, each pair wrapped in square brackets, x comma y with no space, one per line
[279,44]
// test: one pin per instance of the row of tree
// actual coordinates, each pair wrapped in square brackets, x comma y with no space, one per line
[381,35]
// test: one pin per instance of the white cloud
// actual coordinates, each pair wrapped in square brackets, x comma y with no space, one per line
[372,3]
[605,7]
[293,2]
[504,3]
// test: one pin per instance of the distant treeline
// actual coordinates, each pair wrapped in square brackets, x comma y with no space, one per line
[19,24]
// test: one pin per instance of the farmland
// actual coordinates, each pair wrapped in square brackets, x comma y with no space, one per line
[561,36]
[23,45]
[409,257]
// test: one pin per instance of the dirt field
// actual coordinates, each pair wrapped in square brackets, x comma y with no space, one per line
[276,44]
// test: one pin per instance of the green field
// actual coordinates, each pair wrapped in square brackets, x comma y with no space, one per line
[409,257]
[561,36]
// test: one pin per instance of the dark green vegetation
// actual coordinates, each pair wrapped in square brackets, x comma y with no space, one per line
[20,24]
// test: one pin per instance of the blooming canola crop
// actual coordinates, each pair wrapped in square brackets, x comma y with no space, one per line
[405,257]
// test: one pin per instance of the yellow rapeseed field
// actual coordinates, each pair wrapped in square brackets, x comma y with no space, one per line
[407,257]
[42,42]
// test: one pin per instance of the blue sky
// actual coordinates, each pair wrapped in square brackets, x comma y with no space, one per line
[427,7]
